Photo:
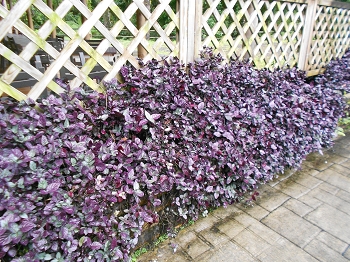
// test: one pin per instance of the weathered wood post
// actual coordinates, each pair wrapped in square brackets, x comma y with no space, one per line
[308,31]
[190,29]
[54,33]
[141,20]
[83,19]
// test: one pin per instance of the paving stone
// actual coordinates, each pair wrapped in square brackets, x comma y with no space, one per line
[265,232]
[255,211]
[185,237]
[227,252]
[341,151]
[163,253]
[297,207]
[204,223]
[291,226]
[251,242]
[332,200]
[310,201]
[332,242]
[346,164]
[223,212]
[317,161]
[214,236]
[334,158]
[328,188]
[334,178]
[323,253]
[332,221]
[347,253]
[289,187]
[343,195]
[195,248]
[245,219]
[340,169]
[285,251]
[305,179]
[272,198]
[230,227]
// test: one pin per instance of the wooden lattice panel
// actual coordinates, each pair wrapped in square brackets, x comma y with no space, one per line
[330,37]
[269,33]
[21,62]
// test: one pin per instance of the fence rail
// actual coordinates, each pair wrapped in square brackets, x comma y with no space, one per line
[307,34]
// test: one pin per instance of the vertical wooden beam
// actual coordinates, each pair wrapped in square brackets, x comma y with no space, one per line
[30,18]
[190,29]
[83,19]
[308,32]
[183,13]
[141,20]
[198,28]
[54,32]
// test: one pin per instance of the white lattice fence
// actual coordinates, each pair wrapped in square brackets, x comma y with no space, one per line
[75,39]
[271,33]
[330,38]
[267,32]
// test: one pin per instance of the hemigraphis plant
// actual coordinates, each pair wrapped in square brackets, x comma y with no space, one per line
[81,177]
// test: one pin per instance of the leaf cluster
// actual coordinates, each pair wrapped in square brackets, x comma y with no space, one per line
[80,179]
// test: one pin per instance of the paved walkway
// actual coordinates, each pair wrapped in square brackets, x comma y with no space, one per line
[303,216]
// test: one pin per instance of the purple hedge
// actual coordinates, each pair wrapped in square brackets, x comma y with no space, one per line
[82,176]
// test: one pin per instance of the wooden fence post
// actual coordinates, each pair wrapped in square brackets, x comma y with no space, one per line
[308,31]
[190,29]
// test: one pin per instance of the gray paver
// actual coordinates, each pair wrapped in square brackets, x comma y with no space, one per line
[297,207]
[285,251]
[272,198]
[332,242]
[227,252]
[265,233]
[331,200]
[347,253]
[323,253]
[305,179]
[291,226]
[214,236]
[331,220]
[231,227]
[328,188]
[251,242]
[205,222]
[335,179]
[195,248]
[255,211]
[310,201]
[291,188]
[343,195]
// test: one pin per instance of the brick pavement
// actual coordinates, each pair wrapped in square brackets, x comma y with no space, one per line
[301,216]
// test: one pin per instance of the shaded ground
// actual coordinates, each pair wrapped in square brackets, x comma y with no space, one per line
[301,216]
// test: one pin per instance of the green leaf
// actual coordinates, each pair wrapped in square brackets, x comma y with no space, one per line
[66,123]
[32,165]
[81,241]
[42,184]
[73,161]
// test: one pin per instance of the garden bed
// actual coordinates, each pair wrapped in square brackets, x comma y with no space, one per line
[85,176]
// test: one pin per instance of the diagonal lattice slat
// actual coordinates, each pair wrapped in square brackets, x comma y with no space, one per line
[268,32]
[331,39]
[21,62]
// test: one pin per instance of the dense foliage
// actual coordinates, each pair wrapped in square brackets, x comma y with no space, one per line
[80,178]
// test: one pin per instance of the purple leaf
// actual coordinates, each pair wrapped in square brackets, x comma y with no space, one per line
[95,245]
